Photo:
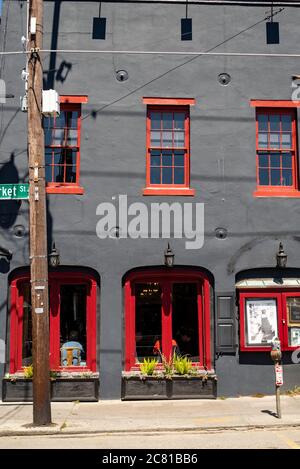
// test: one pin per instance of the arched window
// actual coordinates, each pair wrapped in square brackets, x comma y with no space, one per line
[167,311]
[72,321]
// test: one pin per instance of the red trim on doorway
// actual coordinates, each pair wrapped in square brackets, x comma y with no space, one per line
[56,279]
[166,278]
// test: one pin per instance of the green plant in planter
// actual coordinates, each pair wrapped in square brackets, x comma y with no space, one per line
[28,372]
[182,365]
[148,366]
[168,365]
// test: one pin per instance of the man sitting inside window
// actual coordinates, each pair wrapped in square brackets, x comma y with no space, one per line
[74,347]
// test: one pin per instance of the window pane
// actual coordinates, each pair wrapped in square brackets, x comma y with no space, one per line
[274,123]
[286,140]
[167,120]
[167,139]
[58,156]
[178,139]
[263,160]
[167,175]
[287,177]
[185,319]
[60,121]
[72,138]
[73,119]
[155,158]
[275,177]
[179,120]
[263,140]
[148,320]
[286,160]
[155,175]
[155,120]
[58,137]
[264,177]
[58,173]
[275,140]
[261,321]
[70,173]
[286,123]
[167,158]
[155,138]
[73,300]
[293,314]
[70,157]
[27,327]
[275,160]
[178,175]
[178,158]
[262,122]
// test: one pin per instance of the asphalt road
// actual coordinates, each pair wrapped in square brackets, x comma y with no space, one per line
[260,439]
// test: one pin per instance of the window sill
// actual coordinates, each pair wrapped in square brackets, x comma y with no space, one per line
[275,193]
[169,191]
[64,190]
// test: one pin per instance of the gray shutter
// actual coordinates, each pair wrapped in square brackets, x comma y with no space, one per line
[225,331]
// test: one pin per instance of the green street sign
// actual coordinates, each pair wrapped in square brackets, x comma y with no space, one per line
[14,191]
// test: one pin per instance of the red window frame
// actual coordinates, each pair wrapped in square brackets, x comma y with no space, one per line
[56,279]
[69,103]
[282,316]
[169,105]
[166,279]
[282,108]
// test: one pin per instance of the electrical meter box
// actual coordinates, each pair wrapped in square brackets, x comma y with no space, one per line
[50,105]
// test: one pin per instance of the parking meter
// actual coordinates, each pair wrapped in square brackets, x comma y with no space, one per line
[276,350]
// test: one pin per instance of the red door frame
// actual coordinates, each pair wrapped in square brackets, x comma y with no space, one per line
[166,278]
[16,321]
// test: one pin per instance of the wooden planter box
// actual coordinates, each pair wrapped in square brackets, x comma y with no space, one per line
[179,387]
[62,389]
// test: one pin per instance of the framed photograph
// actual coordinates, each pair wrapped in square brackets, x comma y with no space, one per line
[261,321]
[294,333]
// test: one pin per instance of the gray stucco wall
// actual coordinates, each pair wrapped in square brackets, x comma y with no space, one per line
[113,151]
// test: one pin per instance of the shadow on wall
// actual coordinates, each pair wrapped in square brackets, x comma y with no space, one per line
[9,209]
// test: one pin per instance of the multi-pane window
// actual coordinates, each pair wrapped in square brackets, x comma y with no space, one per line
[62,147]
[168,149]
[267,314]
[276,149]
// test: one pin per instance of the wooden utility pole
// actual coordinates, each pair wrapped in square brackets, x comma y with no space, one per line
[38,221]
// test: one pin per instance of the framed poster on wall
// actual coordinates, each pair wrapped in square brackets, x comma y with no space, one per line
[261,321]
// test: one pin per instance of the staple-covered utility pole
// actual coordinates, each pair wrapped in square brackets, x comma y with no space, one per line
[38,220]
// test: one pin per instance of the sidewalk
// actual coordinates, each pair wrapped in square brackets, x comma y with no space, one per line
[73,418]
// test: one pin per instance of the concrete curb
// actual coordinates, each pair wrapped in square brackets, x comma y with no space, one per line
[208,429]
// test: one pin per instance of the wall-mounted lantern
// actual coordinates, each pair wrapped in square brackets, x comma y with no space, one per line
[169,256]
[281,257]
[54,257]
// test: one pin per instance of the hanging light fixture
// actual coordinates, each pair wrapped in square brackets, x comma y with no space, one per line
[281,257]
[186,26]
[272,28]
[54,257]
[169,256]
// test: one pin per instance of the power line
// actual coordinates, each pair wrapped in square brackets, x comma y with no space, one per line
[138,52]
